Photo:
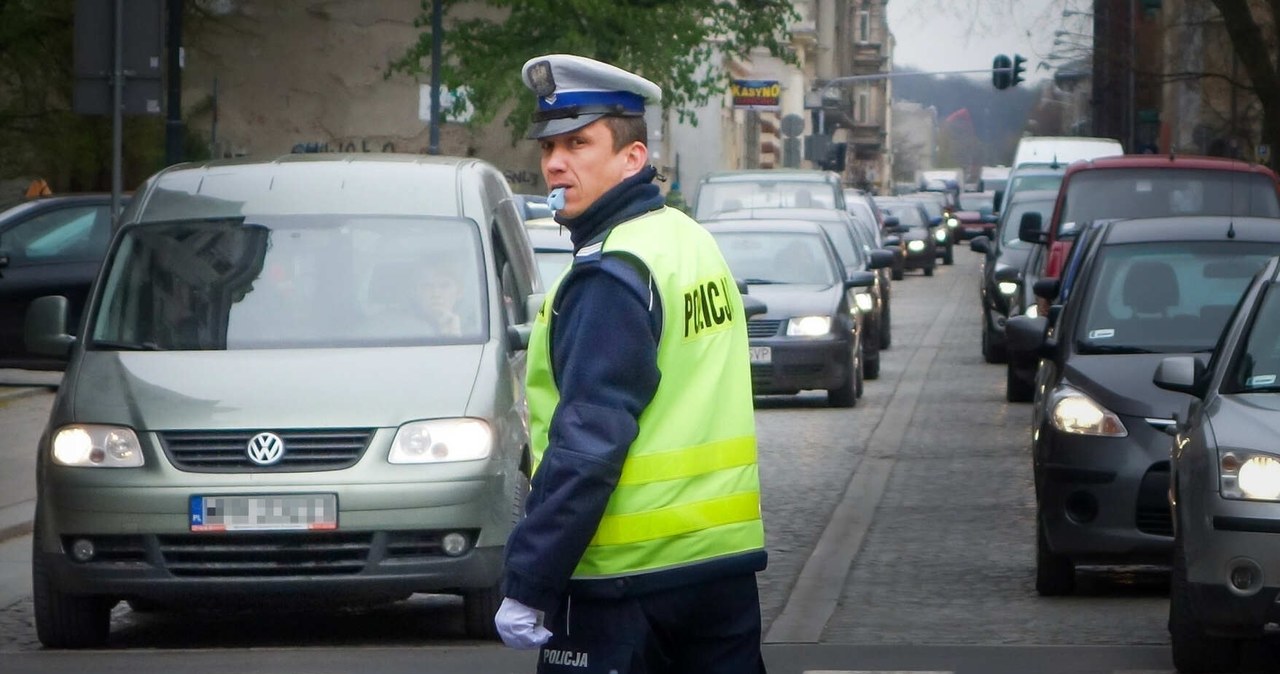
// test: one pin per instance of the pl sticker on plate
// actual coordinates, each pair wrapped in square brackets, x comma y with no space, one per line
[1261,380]
[1104,333]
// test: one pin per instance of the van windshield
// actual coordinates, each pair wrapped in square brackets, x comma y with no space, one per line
[293,282]
[714,198]
[1160,192]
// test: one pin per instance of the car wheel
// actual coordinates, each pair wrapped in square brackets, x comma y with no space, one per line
[990,352]
[949,256]
[871,367]
[928,271]
[884,327]
[480,606]
[1055,574]
[1193,650]
[66,620]
[1016,390]
[898,272]
[846,395]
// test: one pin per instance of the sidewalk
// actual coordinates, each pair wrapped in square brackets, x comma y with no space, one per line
[17,450]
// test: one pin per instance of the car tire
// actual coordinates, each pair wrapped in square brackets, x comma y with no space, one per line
[480,606]
[1016,390]
[846,395]
[871,367]
[990,352]
[884,327]
[1193,650]
[928,271]
[899,272]
[949,257]
[1055,574]
[66,620]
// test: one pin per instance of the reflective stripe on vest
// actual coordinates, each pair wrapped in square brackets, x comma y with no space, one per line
[690,488]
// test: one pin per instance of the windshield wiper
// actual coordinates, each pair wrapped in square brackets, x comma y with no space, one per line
[127,346]
[1111,348]
[758,282]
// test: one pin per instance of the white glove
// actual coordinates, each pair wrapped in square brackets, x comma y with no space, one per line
[520,626]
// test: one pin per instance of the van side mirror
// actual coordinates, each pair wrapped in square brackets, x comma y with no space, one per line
[1029,229]
[45,329]
[880,259]
[980,244]
[890,221]
[1024,334]
[1013,274]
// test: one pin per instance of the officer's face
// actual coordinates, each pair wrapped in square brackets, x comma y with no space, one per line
[585,163]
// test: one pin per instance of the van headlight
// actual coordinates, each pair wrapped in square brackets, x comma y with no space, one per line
[97,446]
[441,441]
[940,235]
[1251,476]
[808,326]
[1076,413]
[1007,287]
[915,245]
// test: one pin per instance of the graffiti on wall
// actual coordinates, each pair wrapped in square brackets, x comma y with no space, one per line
[522,178]
[357,145]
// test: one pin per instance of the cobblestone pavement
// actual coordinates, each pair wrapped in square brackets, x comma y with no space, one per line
[950,557]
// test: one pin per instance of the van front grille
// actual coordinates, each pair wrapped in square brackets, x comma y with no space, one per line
[228,451]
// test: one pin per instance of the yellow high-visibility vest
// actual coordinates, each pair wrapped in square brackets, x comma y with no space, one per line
[690,488]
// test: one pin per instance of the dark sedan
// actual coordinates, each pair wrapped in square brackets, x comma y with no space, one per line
[919,236]
[1001,288]
[872,302]
[811,335]
[48,246]
[1146,289]
[1225,486]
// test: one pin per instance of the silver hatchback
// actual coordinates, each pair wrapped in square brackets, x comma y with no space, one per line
[299,378]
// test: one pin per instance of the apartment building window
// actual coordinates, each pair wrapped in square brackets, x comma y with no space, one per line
[864,26]
[863,108]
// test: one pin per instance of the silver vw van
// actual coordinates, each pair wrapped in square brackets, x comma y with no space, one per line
[299,378]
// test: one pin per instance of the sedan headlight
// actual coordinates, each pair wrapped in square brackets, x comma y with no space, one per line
[97,446]
[441,441]
[1007,287]
[915,245]
[864,301]
[1032,311]
[1076,413]
[808,326]
[1249,475]
[952,222]
[940,235]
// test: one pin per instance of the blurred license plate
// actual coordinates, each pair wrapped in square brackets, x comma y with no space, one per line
[761,354]
[264,513]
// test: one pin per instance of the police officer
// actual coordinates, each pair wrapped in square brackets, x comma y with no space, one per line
[642,534]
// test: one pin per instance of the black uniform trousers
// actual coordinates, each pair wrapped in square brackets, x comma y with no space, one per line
[712,627]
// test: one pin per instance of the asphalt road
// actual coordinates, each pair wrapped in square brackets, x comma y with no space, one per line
[899,533]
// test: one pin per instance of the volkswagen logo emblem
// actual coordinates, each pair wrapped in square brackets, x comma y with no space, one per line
[266,449]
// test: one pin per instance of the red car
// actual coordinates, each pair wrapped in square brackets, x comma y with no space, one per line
[1147,185]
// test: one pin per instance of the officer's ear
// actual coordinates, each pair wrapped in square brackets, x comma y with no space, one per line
[636,158]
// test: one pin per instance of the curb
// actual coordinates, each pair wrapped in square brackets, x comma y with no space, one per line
[16,520]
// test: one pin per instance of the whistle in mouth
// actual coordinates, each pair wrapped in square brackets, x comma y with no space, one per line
[556,199]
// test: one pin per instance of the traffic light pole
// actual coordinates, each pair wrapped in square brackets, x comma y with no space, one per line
[884,76]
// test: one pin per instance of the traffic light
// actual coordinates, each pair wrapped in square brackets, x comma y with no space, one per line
[1018,70]
[1000,66]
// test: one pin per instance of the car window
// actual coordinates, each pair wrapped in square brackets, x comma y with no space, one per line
[909,215]
[777,257]
[552,263]
[1258,365]
[846,246]
[1012,219]
[1153,192]
[1166,296]
[723,197]
[294,282]
[80,232]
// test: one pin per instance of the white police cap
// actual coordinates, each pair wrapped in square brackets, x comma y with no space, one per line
[574,91]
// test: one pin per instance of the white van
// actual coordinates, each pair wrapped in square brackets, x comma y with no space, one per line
[1063,149]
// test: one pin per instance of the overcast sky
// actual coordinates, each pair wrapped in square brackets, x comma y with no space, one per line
[945,35]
